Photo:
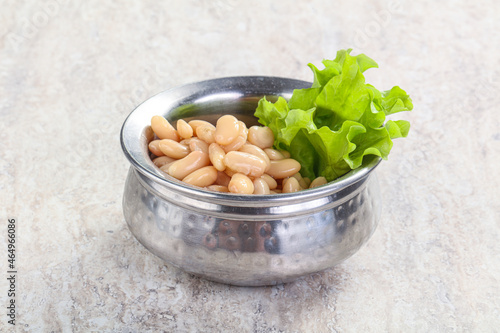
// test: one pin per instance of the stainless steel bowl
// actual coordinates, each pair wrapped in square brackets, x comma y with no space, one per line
[246,240]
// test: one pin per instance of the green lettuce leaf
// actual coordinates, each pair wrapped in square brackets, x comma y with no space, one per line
[331,126]
[271,114]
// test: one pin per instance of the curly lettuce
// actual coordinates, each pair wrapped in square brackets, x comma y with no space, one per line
[331,126]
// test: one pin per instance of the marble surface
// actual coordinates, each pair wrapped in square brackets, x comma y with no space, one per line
[71,71]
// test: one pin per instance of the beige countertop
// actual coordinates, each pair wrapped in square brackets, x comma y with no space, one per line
[71,71]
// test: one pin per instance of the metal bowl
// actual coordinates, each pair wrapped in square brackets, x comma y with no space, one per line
[246,240]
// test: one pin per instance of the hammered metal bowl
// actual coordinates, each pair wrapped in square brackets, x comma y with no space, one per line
[245,240]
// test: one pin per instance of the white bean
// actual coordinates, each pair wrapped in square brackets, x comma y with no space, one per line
[197,123]
[173,148]
[183,167]
[202,177]
[283,168]
[226,130]
[241,184]
[245,163]
[235,145]
[240,140]
[290,185]
[260,186]
[206,133]
[216,154]
[262,137]
[218,188]
[184,129]
[285,153]
[270,181]
[254,150]
[318,182]
[162,160]
[154,147]
[197,144]
[274,154]
[307,181]
[163,129]
[301,180]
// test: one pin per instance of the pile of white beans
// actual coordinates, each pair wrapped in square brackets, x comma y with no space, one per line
[228,157]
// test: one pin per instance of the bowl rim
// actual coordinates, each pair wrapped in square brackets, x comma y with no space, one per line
[154,174]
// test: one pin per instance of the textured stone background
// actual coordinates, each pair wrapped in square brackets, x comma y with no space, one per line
[71,71]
